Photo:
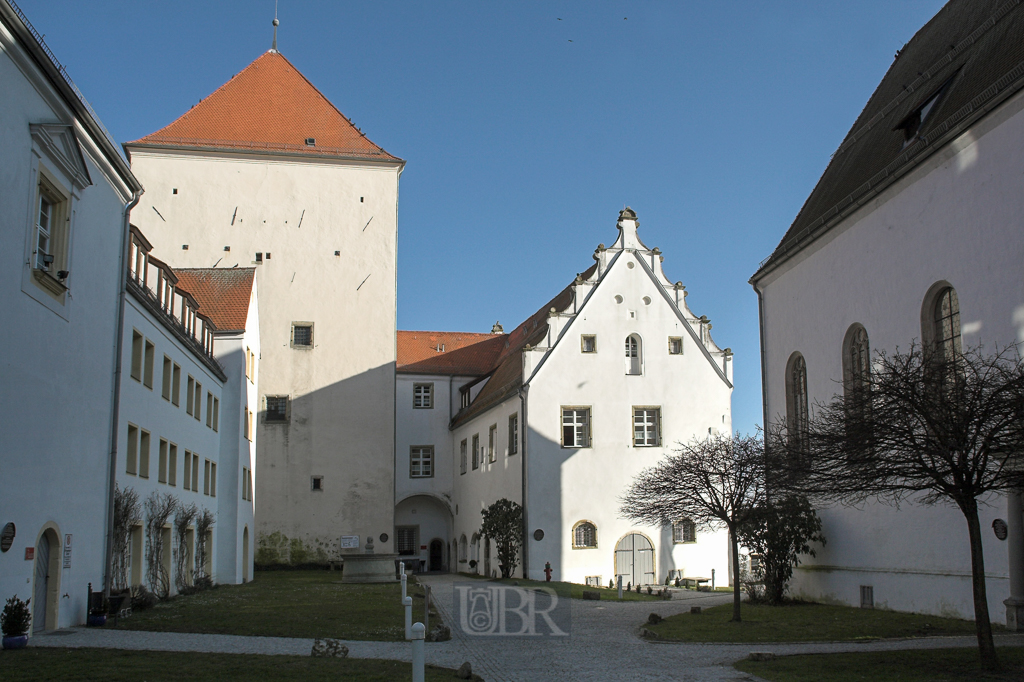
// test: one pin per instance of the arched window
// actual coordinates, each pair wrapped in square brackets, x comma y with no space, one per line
[463,548]
[584,535]
[856,362]
[634,354]
[684,530]
[796,402]
[946,324]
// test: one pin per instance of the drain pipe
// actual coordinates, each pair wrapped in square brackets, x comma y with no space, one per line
[764,369]
[524,392]
[115,402]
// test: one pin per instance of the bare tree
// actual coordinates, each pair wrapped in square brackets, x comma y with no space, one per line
[183,518]
[204,522]
[923,427]
[126,514]
[159,507]
[716,482]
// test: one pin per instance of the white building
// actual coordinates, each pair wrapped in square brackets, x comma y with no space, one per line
[182,432]
[64,227]
[913,232]
[266,172]
[560,415]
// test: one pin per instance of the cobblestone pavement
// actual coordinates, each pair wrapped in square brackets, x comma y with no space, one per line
[603,645]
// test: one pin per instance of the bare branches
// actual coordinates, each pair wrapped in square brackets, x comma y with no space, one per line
[159,508]
[126,515]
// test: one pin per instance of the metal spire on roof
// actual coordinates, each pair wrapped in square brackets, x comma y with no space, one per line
[273,47]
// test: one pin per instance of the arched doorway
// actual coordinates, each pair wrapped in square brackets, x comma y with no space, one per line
[436,555]
[47,577]
[245,554]
[634,560]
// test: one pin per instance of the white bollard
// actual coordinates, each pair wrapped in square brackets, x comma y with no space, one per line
[404,583]
[419,662]
[620,587]
[407,601]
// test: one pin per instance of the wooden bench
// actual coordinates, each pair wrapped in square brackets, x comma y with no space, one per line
[695,581]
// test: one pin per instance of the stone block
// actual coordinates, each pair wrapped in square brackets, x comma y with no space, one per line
[329,648]
[592,595]
[695,610]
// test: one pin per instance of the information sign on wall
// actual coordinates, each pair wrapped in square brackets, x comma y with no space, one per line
[350,542]
[67,550]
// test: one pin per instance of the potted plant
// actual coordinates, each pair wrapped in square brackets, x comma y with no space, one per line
[98,615]
[15,621]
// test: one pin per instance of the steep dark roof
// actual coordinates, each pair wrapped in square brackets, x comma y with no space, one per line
[972,54]
[507,374]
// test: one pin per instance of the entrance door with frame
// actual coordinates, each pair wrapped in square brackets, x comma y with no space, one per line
[634,560]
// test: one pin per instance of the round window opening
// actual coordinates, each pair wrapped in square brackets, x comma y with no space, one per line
[538,535]
[630,264]
[383,537]
[647,300]
[618,299]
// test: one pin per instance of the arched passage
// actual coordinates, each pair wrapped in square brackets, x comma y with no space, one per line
[419,520]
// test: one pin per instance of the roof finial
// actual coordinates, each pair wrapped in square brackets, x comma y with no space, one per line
[273,48]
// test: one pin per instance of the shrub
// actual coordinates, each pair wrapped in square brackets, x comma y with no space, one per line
[142,598]
[16,619]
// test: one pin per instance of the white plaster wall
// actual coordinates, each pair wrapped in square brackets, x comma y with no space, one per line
[57,372]
[301,211]
[957,218]
[570,485]
[146,408]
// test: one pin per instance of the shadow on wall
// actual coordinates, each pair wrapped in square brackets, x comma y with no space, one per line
[324,466]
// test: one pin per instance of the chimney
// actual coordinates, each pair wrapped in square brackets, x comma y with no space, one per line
[497,328]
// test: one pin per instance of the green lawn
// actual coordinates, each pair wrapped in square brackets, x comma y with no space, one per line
[931,665]
[804,622]
[287,604]
[573,590]
[39,663]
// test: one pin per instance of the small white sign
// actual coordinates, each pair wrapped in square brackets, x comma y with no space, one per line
[350,542]
[67,550]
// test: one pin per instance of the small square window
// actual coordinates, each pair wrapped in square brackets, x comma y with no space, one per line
[277,409]
[302,335]
[423,396]
[684,531]
[316,483]
[259,256]
[675,345]
[588,343]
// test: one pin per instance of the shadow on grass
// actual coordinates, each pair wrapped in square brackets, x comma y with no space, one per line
[572,590]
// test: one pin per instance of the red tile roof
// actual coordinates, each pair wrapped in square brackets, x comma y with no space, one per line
[464,354]
[223,294]
[268,106]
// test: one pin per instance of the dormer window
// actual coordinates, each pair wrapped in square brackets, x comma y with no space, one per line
[310,141]
[911,125]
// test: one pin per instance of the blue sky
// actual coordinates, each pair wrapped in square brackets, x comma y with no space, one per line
[528,125]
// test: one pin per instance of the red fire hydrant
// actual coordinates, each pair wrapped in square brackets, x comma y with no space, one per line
[547,571]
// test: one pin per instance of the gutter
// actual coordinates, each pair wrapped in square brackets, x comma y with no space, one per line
[115,401]
[524,393]
[764,369]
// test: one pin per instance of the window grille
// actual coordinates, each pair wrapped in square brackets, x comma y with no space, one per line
[302,335]
[684,531]
[513,434]
[576,427]
[277,408]
[407,540]
[584,535]
[645,426]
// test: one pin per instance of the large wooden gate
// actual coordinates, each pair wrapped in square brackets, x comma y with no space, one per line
[634,560]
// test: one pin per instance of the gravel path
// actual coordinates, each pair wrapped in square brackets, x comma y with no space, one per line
[603,645]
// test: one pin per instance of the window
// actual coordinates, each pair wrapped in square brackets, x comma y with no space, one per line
[198,401]
[209,410]
[302,335]
[132,452]
[796,402]
[277,409]
[165,387]
[462,456]
[513,434]
[206,477]
[684,530]
[161,473]
[52,218]
[646,426]
[248,363]
[594,581]
[584,535]
[248,477]
[246,485]
[316,483]
[147,375]
[190,395]
[213,479]
[421,461]
[946,338]
[856,370]
[186,479]
[492,437]
[143,454]
[423,396]
[465,398]
[634,354]
[476,451]
[195,472]
[172,464]
[247,424]
[216,413]
[176,385]
[463,549]
[675,345]
[588,343]
[407,540]
[137,351]
[575,427]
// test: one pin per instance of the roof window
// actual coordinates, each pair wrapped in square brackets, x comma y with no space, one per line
[913,122]
[310,141]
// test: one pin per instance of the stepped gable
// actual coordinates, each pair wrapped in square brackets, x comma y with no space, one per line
[449,353]
[223,294]
[507,375]
[972,55]
[267,107]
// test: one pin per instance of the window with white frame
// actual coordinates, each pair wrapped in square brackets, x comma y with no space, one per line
[476,451]
[513,434]
[588,343]
[646,426]
[423,396]
[675,345]
[52,223]
[462,456]
[421,461]
[584,535]
[575,427]
[684,530]
[492,443]
[634,354]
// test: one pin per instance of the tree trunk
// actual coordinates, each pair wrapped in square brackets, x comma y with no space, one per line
[982,622]
[735,545]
